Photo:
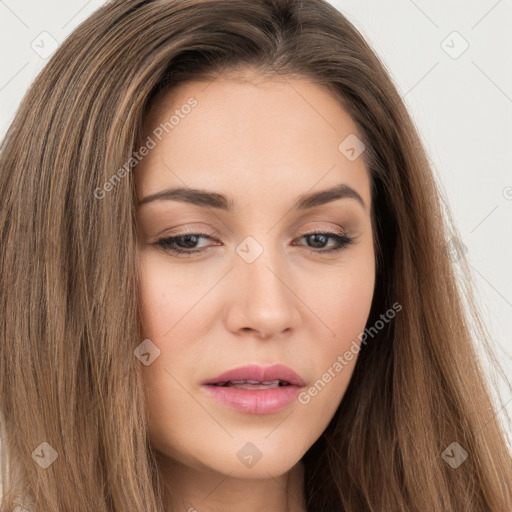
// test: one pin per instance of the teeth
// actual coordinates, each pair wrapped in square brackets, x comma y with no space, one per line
[277,381]
[254,384]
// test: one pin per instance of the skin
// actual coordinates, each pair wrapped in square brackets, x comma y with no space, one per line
[263,143]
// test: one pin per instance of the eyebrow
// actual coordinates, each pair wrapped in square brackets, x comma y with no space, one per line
[221,202]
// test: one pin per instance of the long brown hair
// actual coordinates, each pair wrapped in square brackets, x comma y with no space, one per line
[69,303]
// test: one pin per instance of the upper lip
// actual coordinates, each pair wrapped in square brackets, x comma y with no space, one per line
[259,373]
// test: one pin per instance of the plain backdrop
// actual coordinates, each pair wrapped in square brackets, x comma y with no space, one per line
[451,62]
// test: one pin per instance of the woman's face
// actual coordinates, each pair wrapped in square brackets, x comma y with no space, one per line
[262,288]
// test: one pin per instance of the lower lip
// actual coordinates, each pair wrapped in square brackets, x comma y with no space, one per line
[254,401]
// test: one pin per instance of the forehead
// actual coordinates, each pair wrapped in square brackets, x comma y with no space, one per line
[250,135]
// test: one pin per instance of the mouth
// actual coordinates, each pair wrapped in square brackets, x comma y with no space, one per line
[253,384]
[268,376]
[255,389]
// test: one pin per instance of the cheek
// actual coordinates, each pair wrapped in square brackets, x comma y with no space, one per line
[342,299]
[167,405]
[343,304]
[165,296]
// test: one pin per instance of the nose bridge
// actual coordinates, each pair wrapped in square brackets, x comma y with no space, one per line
[259,266]
[265,300]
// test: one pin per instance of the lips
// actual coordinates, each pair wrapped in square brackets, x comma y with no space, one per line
[253,375]
[256,389]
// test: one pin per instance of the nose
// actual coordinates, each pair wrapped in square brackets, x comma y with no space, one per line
[263,300]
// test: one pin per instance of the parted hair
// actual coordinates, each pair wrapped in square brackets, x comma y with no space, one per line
[69,288]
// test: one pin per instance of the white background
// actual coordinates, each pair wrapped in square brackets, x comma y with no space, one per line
[462,107]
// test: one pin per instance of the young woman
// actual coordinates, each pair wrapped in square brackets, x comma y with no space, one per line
[226,282]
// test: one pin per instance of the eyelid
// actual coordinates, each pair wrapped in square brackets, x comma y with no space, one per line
[187,231]
[214,234]
[338,235]
[323,229]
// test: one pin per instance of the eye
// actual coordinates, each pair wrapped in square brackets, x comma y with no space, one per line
[322,237]
[186,243]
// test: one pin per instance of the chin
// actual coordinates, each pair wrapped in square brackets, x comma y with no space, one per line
[257,459]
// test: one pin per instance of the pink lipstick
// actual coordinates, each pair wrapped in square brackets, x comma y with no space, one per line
[256,389]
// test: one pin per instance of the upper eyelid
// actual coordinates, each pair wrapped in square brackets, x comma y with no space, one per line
[338,236]
[214,232]
[316,230]
[324,229]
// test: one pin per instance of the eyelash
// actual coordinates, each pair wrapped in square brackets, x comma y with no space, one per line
[168,243]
